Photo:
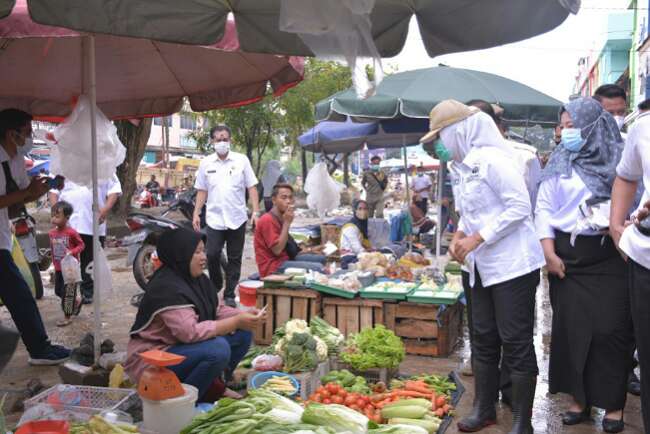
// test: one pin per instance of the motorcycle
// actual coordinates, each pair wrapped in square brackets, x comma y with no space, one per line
[25,232]
[145,230]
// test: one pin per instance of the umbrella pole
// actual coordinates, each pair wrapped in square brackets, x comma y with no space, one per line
[441,179]
[91,88]
[406,183]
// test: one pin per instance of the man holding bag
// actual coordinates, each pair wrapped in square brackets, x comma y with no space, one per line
[15,190]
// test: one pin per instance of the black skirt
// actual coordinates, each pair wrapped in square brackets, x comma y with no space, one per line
[592,340]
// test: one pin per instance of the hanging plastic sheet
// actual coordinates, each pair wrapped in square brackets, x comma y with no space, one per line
[337,30]
[72,153]
[323,192]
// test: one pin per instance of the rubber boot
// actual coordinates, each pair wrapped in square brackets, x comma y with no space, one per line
[523,394]
[486,382]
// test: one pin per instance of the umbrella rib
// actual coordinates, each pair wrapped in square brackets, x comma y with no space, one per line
[479,80]
[171,71]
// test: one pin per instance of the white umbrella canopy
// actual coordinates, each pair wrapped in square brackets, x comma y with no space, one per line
[446,26]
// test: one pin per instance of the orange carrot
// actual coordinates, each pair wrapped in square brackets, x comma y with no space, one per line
[411,394]
[414,387]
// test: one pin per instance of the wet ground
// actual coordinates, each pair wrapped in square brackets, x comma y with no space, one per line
[118,315]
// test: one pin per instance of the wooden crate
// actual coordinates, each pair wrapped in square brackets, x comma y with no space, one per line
[351,316]
[371,375]
[285,304]
[424,329]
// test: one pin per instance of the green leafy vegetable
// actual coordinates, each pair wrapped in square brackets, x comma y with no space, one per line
[329,334]
[375,347]
[338,417]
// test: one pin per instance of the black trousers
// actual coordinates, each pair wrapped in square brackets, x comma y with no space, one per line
[18,298]
[234,241]
[87,288]
[505,384]
[503,317]
[639,278]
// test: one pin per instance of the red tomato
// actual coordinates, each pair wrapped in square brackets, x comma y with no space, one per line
[361,403]
[370,407]
[327,401]
[342,393]
[325,393]
[369,414]
[350,400]
[366,399]
[318,397]
[355,407]
[441,401]
[336,399]
[332,388]
[439,412]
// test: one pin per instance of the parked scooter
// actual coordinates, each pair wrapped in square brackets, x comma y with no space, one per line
[25,231]
[146,228]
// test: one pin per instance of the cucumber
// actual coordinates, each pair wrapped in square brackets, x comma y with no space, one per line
[420,402]
[408,411]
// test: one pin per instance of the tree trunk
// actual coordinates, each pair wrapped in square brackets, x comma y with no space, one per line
[135,139]
[303,160]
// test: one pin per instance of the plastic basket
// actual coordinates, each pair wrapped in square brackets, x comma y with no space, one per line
[333,291]
[88,400]
[258,380]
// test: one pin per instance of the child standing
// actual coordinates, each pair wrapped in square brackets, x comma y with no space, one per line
[65,241]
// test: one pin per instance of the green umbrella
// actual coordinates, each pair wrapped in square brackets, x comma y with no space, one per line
[414,93]
[446,26]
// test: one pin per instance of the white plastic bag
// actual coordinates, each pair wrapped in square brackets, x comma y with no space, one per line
[267,362]
[73,145]
[70,269]
[323,192]
[104,282]
[337,30]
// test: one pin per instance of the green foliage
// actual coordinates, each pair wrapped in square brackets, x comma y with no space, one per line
[261,129]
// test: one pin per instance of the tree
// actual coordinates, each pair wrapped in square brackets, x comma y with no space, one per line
[322,79]
[134,136]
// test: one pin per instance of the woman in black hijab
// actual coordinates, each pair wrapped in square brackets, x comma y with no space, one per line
[180,314]
[354,234]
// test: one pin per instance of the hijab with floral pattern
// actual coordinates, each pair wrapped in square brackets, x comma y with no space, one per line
[596,161]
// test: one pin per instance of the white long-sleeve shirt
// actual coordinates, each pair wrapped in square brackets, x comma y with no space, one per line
[558,202]
[635,166]
[493,201]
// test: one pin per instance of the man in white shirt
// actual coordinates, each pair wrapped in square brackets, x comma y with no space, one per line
[222,181]
[634,167]
[81,199]
[422,187]
[16,189]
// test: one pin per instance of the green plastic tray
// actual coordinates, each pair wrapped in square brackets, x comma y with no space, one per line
[432,300]
[287,284]
[333,291]
[376,295]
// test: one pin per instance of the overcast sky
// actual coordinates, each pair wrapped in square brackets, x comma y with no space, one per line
[547,62]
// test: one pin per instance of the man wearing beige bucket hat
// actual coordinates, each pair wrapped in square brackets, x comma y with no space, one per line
[497,243]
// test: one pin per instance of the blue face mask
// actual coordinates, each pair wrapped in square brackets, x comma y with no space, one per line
[442,152]
[572,139]
[375,167]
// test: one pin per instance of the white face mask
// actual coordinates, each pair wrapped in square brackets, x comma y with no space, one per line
[620,121]
[222,148]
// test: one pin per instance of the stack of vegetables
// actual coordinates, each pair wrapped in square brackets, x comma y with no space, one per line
[371,348]
[299,348]
[420,400]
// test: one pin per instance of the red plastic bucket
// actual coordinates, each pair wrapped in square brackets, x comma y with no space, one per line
[248,292]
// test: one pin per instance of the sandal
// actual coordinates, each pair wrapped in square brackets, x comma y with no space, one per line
[64,322]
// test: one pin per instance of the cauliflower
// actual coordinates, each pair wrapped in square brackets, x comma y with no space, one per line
[321,349]
[296,326]
[279,347]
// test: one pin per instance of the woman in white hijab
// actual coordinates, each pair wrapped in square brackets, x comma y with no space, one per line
[497,243]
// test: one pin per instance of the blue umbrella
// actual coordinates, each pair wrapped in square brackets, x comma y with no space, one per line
[349,136]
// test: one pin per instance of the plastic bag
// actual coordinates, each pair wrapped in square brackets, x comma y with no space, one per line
[71,269]
[73,145]
[592,218]
[323,192]
[104,282]
[337,30]
[267,362]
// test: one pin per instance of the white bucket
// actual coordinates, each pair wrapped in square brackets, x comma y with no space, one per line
[169,416]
